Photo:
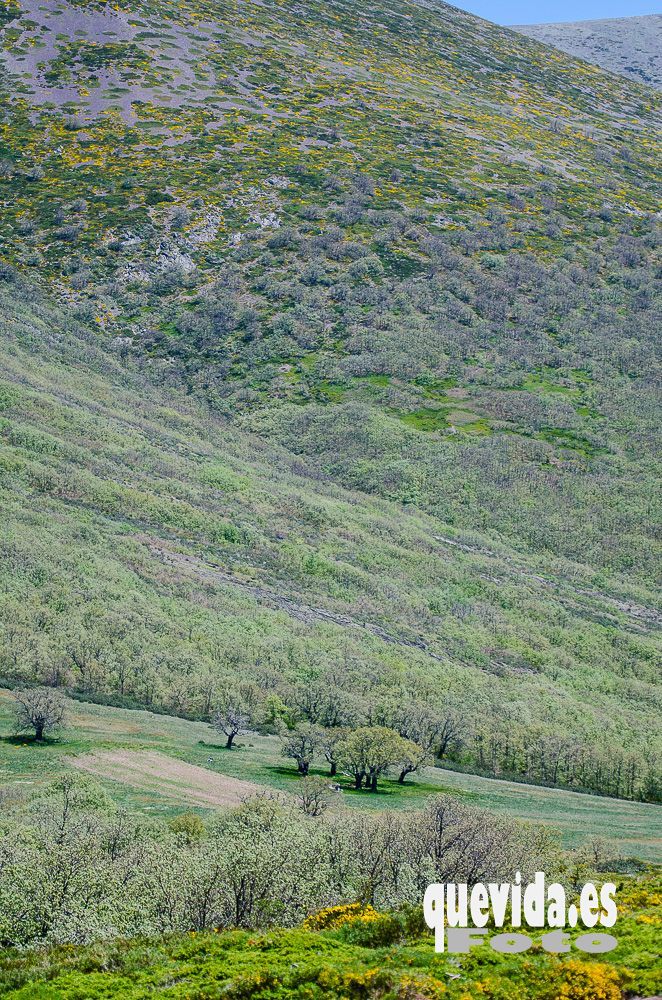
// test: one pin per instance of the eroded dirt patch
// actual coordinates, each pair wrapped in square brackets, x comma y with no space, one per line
[149,770]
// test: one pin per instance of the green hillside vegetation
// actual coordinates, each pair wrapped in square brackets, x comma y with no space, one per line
[156,554]
[83,861]
[79,866]
[76,868]
[329,446]
[322,219]
[339,377]
[363,954]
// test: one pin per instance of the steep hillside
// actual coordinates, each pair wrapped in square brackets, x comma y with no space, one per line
[405,221]
[152,551]
[630,46]
[340,374]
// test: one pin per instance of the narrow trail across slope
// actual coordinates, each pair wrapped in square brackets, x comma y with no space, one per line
[302,612]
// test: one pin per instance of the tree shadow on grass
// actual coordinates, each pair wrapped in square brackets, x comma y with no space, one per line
[32,741]
[346,784]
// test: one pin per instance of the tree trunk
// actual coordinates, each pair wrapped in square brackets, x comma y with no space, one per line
[373,783]
[358,781]
[303,767]
[230,741]
[334,769]
[39,731]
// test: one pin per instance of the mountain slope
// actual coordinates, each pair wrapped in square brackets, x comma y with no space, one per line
[630,46]
[399,220]
[152,551]
[364,311]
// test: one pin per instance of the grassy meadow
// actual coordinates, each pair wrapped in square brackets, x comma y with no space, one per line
[634,828]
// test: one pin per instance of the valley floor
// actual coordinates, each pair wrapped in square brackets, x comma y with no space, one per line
[163,765]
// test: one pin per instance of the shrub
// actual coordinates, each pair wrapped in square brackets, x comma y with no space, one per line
[358,924]
[188,826]
[371,929]
[68,232]
[335,916]
[589,982]
[314,795]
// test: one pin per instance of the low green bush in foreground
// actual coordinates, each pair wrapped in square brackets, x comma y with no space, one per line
[308,963]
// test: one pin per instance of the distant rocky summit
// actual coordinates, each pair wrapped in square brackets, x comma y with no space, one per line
[630,46]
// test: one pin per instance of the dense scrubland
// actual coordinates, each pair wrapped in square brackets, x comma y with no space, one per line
[358,953]
[76,869]
[156,554]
